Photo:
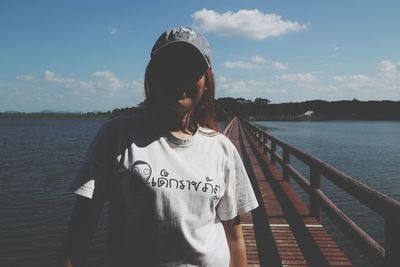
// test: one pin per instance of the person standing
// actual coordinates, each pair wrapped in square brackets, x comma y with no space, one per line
[175,185]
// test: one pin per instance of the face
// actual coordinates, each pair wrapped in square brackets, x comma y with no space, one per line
[182,97]
[178,78]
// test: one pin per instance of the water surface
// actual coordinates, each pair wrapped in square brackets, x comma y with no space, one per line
[366,150]
[39,158]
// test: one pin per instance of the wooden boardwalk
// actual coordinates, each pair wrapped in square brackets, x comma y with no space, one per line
[280,232]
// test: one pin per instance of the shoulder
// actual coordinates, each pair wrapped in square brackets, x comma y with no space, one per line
[122,130]
[218,139]
[139,129]
[132,120]
[132,123]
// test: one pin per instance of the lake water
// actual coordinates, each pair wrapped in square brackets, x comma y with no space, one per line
[39,157]
[369,151]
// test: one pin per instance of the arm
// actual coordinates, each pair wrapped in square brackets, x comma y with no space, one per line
[80,231]
[237,247]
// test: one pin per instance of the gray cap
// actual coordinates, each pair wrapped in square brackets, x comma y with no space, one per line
[183,35]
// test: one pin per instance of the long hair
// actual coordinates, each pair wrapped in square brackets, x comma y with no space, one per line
[204,111]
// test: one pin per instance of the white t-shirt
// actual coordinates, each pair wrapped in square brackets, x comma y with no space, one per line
[167,196]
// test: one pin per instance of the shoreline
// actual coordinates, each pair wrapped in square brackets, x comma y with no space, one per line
[321,118]
[249,117]
[54,116]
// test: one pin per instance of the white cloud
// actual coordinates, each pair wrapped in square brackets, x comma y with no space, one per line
[239,65]
[254,62]
[87,86]
[251,63]
[298,77]
[258,59]
[113,31]
[387,66]
[101,90]
[340,78]
[384,84]
[258,83]
[104,83]
[242,87]
[52,77]
[279,66]
[27,77]
[222,79]
[357,78]
[251,24]
[353,82]
[107,80]
[136,86]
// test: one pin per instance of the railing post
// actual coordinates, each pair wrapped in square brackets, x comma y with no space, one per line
[315,183]
[392,242]
[273,151]
[286,161]
[260,138]
[265,140]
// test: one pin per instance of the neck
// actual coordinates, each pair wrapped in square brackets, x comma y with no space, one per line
[179,122]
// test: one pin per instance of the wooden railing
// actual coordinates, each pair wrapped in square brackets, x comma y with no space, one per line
[386,207]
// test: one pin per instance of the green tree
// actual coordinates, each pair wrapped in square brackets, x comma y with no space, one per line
[261,101]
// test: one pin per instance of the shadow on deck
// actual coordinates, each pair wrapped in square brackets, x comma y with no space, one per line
[280,232]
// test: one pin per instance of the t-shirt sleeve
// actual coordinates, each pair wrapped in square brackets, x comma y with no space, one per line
[239,195]
[94,175]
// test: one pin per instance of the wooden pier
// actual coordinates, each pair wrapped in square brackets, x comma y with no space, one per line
[284,230]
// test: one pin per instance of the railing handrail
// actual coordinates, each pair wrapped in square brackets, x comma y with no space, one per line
[228,128]
[375,200]
[385,206]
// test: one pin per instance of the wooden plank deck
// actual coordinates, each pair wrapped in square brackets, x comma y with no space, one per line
[280,232]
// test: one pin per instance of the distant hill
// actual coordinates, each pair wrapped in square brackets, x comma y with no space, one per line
[354,109]
[344,109]
[53,114]
[64,112]
[260,108]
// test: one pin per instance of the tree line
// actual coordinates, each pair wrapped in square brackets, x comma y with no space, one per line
[384,109]
[352,109]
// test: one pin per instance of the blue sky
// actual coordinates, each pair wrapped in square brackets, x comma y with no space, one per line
[91,55]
